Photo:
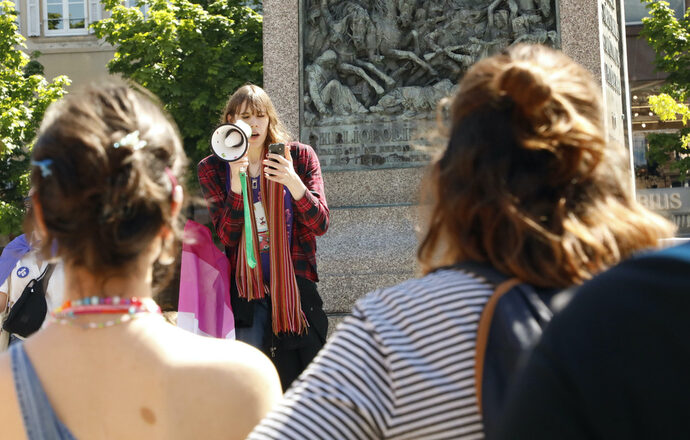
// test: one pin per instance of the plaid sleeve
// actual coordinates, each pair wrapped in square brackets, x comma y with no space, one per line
[225,207]
[312,208]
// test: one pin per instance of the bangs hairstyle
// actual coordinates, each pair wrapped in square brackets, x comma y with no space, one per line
[528,182]
[257,101]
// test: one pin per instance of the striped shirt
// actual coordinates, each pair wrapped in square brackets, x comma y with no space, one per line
[400,367]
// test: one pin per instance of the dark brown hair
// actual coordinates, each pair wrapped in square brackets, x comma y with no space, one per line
[528,182]
[104,200]
[257,101]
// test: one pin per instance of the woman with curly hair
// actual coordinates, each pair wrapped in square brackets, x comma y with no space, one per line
[107,194]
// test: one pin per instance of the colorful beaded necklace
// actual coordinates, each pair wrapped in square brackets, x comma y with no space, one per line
[127,308]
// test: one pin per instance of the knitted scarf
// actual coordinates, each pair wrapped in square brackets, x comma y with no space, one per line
[286,311]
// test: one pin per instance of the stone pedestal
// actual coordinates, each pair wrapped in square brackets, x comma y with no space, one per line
[372,239]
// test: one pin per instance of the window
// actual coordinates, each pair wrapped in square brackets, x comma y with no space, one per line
[635,10]
[639,149]
[66,16]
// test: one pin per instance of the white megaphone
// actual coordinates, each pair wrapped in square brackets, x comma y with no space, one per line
[230,141]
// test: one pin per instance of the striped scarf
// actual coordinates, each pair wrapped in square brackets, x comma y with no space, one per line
[286,311]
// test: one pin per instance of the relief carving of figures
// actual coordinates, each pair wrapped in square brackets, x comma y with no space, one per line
[529,20]
[326,93]
[369,58]
[411,100]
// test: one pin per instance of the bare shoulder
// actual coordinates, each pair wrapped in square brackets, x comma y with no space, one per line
[10,414]
[216,376]
[192,351]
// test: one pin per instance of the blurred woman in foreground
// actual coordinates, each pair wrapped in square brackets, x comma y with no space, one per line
[527,185]
[106,170]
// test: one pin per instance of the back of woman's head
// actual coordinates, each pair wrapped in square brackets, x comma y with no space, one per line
[528,182]
[108,156]
[257,101]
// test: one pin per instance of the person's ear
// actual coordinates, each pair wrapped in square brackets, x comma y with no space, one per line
[39,221]
[177,198]
[166,254]
[175,208]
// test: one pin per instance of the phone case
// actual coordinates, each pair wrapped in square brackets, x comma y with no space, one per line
[278,148]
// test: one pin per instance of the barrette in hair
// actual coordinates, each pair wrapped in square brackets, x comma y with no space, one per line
[44,166]
[131,140]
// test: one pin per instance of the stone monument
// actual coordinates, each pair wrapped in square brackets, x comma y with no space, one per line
[360,80]
[602,50]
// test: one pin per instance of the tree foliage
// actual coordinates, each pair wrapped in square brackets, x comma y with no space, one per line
[24,97]
[670,39]
[191,55]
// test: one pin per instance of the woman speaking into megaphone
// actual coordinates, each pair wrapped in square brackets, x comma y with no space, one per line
[276,304]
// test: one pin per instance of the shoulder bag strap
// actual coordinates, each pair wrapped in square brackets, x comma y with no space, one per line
[45,276]
[483,333]
[40,277]
[503,284]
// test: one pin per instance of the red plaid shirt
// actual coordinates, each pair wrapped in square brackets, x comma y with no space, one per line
[311,215]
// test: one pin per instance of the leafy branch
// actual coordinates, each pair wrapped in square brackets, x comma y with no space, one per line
[670,39]
[24,96]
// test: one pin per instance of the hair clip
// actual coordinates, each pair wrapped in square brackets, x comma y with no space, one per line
[44,165]
[131,140]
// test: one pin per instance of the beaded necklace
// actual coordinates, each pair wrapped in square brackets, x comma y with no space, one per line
[127,308]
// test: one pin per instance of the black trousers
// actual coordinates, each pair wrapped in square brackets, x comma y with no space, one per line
[289,353]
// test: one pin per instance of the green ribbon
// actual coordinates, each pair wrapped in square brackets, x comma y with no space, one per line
[249,237]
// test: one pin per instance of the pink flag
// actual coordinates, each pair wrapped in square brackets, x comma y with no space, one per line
[204,305]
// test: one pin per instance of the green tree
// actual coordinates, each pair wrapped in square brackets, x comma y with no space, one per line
[670,39]
[24,97]
[191,55]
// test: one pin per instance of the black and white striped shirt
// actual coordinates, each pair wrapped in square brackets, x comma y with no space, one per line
[401,367]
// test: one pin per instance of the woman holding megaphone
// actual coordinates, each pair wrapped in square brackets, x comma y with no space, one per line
[266,199]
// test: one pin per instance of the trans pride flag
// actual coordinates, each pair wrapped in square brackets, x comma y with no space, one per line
[204,305]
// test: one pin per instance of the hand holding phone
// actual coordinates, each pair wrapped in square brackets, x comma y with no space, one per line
[282,171]
[277,148]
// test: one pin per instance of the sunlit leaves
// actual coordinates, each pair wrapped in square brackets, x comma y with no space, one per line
[670,39]
[192,55]
[668,109]
[23,100]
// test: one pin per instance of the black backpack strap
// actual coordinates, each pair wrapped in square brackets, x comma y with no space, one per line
[45,276]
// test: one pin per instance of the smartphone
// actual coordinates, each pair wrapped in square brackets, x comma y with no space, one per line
[278,148]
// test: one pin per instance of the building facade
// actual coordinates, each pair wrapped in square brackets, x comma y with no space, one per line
[58,36]
[645,81]
[658,187]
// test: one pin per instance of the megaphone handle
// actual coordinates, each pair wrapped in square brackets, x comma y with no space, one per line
[248,236]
